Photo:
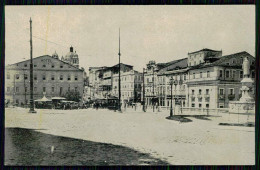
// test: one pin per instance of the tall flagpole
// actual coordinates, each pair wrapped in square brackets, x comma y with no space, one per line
[31,73]
[119,79]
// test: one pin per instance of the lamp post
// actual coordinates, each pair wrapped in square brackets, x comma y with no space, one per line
[143,91]
[171,110]
[153,90]
[25,90]
[119,80]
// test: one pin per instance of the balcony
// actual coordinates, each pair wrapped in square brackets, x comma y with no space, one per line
[231,96]
[221,97]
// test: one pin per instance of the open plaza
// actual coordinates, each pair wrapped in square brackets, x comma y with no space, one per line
[200,141]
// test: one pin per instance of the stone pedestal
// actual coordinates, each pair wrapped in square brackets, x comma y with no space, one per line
[246,104]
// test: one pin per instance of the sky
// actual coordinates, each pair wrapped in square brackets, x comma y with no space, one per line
[161,33]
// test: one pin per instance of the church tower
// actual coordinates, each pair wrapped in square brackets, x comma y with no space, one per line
[72,58]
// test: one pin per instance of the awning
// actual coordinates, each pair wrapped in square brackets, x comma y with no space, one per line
[44,99]
[58,98]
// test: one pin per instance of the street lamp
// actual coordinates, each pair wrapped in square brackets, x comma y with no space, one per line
[143,91]
[153,90]
[171,110]
[171,83]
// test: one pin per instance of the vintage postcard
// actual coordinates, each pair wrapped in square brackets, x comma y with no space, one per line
[130,85]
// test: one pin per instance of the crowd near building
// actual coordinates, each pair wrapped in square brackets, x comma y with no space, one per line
[52,77]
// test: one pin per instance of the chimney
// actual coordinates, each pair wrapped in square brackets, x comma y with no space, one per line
[71,49]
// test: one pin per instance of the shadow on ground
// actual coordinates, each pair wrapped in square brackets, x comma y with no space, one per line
[248,124]
[185,118]
[29,147]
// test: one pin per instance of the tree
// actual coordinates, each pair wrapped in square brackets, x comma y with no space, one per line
[72,95]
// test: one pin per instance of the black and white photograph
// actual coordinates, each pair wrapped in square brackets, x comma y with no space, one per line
[129,85]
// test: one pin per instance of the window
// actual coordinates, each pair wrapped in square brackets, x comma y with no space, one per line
[231,91]
[234,74]
[76,78]
[8,76]
[207,105]
[253,74]
[25,89]
[221,73]
[35,89]
[193,75]
[35,77]
[221,91]
[25,77]
[184,76]
[17,101]
[200,74]
[43,65]
[192,92]
[241,74]
[200,105]
[221,105]
[199,91]
[61,77]
[193,105]
[208,74]
[8,89]
[43,77]
[61,90]
[44,89]
[52,89]
[25,65]
[61,66]
[207,91]
[227,64]
[17,89]
[227,73]
[17,76]
[52,77]
[52,66]
[34,65]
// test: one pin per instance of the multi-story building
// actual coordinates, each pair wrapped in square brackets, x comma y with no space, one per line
[205,79]
[217,80]
[104,82]
[95,82]
[130,86]
[51,77]
[177,71]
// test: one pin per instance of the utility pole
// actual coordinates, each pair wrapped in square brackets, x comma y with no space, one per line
[31,74]
[24,88]
[119,80]
[153,90]
[14,90]
[143,91]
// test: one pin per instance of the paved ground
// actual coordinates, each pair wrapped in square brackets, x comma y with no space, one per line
[201,141]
